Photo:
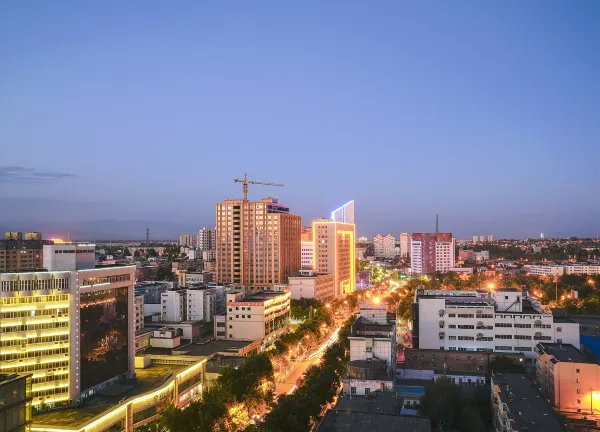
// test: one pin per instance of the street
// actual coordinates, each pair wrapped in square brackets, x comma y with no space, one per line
[289,384]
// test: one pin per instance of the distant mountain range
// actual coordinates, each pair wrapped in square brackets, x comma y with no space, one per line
[103,229]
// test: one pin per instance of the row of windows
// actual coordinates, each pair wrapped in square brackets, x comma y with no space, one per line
[30,354]
[38,366]
[33,313]
[33,299]
[106,279]
[34,284]
[41,339]
[35,327]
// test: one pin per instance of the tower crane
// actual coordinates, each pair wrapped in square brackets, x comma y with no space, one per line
[246,182]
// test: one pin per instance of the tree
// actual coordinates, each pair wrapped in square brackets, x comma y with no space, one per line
[137,253]
[442,402]
[164,273]
[152,253]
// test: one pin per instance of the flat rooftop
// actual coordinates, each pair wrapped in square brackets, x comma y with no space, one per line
[146,379]
[337,420]
[529,409]
[363,327]
[206,347]
[565,353]
[262,295]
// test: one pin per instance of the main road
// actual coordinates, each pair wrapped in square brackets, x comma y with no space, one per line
[289,384]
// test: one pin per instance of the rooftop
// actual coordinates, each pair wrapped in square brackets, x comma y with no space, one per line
[564,353]
[338,420]
[147,379]
[363,326]
[527,407]
[263,295]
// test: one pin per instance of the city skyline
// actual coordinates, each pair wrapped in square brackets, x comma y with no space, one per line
[483,114]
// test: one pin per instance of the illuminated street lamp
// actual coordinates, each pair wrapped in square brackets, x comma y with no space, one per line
[491,286]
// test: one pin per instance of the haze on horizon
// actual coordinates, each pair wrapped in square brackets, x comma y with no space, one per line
[486,113]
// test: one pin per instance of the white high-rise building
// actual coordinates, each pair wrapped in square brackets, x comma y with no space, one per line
[501,321]
[404,245]
[475,238]
[55,325]
[431,252]
[384,246]
[491,238]
[481,239]
[206,239]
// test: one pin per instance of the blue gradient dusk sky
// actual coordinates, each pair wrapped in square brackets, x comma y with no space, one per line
[487,113]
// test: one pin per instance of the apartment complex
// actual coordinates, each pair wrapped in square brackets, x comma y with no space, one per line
[505,320]
[320,287]
[569,378]
[432,252]
[138,301]
[404,245]
[18,253]
[72,329]
[258,243]
[307,255]
[264,316]
[334,253]
[185,240]
[384,246]
[206,239]
[196,303]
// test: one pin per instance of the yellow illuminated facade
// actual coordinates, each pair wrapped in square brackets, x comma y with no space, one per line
[35,332]
[179,390]
[334,253]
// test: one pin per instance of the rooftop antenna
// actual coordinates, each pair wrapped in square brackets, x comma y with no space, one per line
[68,235]
[437,228]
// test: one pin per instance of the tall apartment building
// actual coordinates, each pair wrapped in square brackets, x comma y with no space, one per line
[186,240]
[206,239]
[431,252]
[138,301]
[404,245]
[18,253]
[503,321]
[15,402]
[569,378]
[384,246]
[475,238]
[261,316]
[307,255]
[258,243]
[334,253]
[71,328]
[491,237]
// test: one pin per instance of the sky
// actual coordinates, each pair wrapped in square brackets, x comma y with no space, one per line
[487,113]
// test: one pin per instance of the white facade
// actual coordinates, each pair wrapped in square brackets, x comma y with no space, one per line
[320,287]
[209,255]
[475,239]
[139,312]
[542,270]
[404,245]
[360,387]
[482,256]
[206,239]
[481,239]
[503,322]
[264,315]
[491,238]
[195,305]
[586,269]
[173,307]
[373,341]
[69,256]
[416,253]
[307,255]
[384,246]
[444,255]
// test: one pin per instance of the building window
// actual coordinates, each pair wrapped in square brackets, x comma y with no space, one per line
[353,390]
[579,401]
[576,370]
[369,349]
[367,391]
[576,380]
[578,391]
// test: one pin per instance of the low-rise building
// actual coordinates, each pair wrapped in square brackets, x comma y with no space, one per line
[569,378]
[173,308]
[582,269]
[373,312]
[317,286]
[505,320]
[372,341]
[517,405]
[263,315]
[546,269]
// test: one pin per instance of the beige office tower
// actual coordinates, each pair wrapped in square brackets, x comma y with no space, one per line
[258,243]
[334,253]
